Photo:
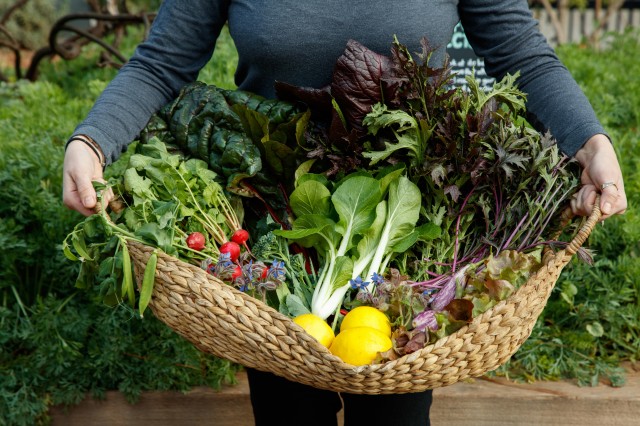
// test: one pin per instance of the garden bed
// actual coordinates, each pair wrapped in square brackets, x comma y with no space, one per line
[475,403]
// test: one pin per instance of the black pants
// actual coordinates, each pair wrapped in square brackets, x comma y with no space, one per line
[277,401]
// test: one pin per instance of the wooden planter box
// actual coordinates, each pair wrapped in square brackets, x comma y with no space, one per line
[480,402]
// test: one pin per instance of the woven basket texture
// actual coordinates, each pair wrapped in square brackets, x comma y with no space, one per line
[220,320]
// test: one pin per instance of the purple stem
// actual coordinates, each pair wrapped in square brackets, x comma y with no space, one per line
[546,222]
[499,211]
[433,283]
[436,263]
[457,243]
[515,231]
[534,227]
[495,198]
[479,256]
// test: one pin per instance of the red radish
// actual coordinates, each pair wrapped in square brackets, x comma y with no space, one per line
[240,236]
[264,274]
[237,273]
[232,248]
[195,241]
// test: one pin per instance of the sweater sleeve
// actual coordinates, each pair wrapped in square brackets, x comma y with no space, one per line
[180,43]
[506,35]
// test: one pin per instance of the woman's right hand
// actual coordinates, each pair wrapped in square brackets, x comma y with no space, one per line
[601,173]
[81,167]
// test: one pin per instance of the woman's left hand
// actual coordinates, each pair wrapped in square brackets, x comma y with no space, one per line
[601,174]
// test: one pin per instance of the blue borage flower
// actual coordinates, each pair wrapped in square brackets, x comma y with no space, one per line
[267,285]
[252,278]
[277,270]
[358,283]
[377,278]
[249,272]
[367,298]
[208,265]
[225,260]
[428,295]
[224,268]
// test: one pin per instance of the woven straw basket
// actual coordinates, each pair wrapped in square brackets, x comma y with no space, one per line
[220,320]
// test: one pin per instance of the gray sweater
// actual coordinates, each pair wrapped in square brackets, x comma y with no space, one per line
[298,42]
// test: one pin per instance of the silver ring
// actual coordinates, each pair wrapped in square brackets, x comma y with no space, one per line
[608,184]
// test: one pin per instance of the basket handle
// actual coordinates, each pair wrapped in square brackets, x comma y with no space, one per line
[586,228]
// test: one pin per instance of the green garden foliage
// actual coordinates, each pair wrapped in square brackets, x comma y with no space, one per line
[34,120]
[69,347]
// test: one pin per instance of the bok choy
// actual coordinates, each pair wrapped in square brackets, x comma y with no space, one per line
[355,229]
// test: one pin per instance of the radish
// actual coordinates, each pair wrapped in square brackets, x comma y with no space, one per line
[232,248]
[195,241]
[240,236]
[237,273]
[264,274]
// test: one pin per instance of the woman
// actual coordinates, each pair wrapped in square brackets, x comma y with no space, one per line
[298,42]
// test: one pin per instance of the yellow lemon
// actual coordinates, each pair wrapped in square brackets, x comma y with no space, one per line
[316,327]
[359,345]
[367,316]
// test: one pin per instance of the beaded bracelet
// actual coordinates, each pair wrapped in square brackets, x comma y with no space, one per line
[91,144]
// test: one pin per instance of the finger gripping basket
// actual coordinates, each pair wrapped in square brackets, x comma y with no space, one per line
[220,320]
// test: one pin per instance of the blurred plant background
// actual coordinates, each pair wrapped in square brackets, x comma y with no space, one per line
[30,23]
[58,344]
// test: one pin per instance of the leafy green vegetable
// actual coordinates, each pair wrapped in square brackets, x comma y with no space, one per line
[398,234]
[249,142]
[165,197]
[358,229]
[410,133]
